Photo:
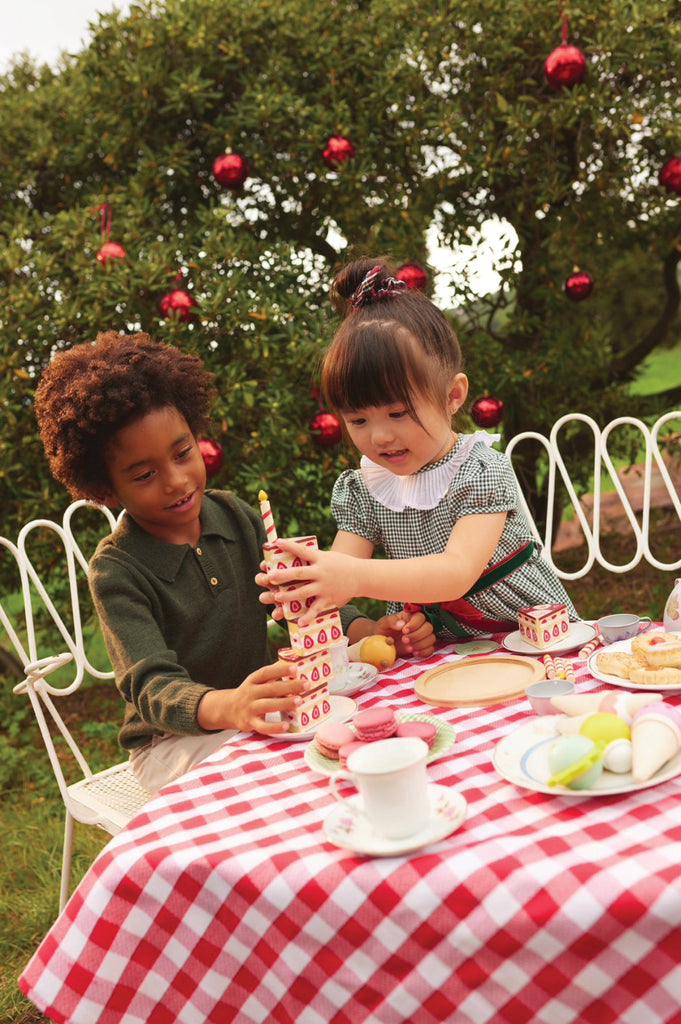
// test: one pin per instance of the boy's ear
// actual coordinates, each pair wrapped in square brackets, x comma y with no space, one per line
[458,391]
[107,498]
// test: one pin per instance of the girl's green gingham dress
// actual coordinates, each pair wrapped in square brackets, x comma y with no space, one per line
[483,483]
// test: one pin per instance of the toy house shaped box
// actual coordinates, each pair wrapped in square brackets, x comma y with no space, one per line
[543,625]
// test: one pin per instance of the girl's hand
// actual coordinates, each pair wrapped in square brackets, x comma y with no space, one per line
[412,632]
[329,577]
[268,690]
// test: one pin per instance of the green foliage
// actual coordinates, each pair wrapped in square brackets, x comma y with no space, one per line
[453,125]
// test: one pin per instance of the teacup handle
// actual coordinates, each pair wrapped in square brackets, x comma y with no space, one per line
[342,776]
[645,618]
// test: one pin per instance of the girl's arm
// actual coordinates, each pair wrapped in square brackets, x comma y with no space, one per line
[411,631]
[335,577]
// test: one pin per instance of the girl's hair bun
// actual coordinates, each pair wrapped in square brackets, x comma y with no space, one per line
[349,279]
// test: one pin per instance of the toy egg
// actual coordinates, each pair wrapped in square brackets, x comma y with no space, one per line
[603,727]
[568,753]
[617,756]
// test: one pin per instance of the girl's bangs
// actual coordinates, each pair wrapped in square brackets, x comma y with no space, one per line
[371,370]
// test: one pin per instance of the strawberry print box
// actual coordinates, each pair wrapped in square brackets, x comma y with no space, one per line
[543,624]
[276,558]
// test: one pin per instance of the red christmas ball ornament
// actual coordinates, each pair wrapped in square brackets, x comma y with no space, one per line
[487,411]
[578,286]
[413,276]
[669,175]
[213,455]
[230,170]
[110,251]
[337,150]
[326,429]
[565,66]
[177,303]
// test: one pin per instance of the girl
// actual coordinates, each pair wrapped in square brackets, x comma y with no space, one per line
[442,505]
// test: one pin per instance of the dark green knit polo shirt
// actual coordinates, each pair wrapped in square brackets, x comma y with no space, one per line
[179,620]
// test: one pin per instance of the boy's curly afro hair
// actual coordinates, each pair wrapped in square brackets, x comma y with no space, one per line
[90,391]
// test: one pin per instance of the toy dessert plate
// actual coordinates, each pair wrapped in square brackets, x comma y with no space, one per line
[624,646]
[351,831]
[342,708]
[444,739]
[357,676]
[522,758]
[578,634]
[477,680]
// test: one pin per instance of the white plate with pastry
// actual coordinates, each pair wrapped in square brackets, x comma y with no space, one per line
[578,634]
[604,662]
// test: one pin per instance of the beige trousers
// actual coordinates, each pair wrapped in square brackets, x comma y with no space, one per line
[168,757]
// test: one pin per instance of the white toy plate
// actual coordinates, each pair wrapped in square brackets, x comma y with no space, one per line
[522,758]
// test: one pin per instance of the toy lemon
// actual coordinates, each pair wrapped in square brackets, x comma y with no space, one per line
[603,727]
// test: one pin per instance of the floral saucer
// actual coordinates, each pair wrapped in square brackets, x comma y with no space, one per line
[352,831]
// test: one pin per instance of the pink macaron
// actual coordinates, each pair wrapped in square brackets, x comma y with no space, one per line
[425,731]
[331,736]
[375,724]
[347,749]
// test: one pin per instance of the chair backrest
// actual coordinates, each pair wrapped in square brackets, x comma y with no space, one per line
[35,613]
[656,485]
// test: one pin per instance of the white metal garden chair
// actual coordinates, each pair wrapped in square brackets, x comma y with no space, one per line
[109,798]
[557,474]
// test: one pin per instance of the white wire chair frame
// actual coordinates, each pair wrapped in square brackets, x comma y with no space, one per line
[109,798]
[592,531]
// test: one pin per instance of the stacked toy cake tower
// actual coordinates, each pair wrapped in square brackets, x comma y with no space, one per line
[310,650]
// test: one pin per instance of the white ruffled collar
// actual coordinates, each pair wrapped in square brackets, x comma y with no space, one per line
[426,488]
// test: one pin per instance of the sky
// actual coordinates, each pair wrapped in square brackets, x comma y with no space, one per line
[46,28]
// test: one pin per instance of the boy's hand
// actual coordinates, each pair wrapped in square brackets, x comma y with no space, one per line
[412,632]
[266,691]
[267,596]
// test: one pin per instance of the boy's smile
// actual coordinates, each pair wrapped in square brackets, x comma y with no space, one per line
[158,475]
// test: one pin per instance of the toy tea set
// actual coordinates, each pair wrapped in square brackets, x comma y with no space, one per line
[604,742]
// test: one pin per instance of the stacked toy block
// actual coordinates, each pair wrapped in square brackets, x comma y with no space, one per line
[309,652]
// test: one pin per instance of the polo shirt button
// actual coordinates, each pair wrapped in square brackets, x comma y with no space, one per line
[214,581]
[199,551]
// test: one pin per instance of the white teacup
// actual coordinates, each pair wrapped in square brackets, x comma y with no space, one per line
[391,778]
[620,627]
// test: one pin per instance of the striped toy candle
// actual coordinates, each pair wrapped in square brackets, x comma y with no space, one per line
[267,517]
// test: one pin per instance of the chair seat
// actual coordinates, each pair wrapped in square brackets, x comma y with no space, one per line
[108,799]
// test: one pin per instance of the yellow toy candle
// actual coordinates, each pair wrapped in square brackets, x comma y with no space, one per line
[267,517]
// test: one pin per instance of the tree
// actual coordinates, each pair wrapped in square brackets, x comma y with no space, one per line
[452,123]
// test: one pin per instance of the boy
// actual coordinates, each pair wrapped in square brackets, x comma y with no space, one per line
[174,584]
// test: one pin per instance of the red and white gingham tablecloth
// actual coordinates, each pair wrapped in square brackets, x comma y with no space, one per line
[223,901]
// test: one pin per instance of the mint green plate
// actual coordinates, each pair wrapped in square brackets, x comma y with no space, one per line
[444,739]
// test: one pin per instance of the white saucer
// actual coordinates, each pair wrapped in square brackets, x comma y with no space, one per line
[342,708]
[353,832]
[578,634]
[356,677]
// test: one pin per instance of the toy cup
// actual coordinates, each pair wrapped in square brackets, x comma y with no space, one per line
[391,778]
[621,627]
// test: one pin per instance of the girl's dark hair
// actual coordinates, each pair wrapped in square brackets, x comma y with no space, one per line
[390,349]
[89,392]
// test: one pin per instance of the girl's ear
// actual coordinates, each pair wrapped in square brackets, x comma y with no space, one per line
[457,392]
